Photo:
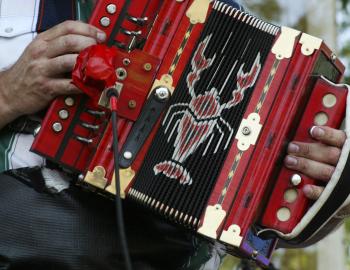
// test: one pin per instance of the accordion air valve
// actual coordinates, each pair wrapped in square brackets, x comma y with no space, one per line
[209,97]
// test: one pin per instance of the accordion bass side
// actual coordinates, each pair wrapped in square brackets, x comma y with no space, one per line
[209,97]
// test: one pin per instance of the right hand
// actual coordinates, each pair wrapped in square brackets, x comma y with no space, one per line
[40,74]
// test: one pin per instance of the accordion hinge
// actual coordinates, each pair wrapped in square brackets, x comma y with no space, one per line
[165,81]
[232,236]
[309,44]
[214,215]
[125,176]
[97,177]
[284,45]
[248,132]
[197,12]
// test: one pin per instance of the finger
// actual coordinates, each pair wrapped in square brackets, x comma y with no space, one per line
[61,64]
[330,136]
[315,151]
[73,27]
[68,44]
[312,192]
[311,168]
[62,87]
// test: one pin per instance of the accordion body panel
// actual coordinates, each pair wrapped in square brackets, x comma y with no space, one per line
[210,158]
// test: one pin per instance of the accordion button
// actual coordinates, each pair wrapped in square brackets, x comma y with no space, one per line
[111,8]
[57,127]
[105,21]
[63,114]
[290,195]
[127,155]
[321,119]
[69,101]
[283,214]
[295,179]
[329,100]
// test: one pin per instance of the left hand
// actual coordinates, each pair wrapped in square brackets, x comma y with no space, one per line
[316,160]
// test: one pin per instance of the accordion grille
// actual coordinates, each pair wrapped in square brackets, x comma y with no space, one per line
[204,114]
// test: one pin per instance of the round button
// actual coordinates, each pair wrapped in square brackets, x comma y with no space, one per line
[321,119]
[284,214]
[295,179]
[69,101]
[57,127]
[63,114]
[8,29]
[127,155]
[329,100]
[105,21]
[111,8]
[290,195]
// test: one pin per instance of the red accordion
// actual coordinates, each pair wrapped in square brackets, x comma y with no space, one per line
[209,97]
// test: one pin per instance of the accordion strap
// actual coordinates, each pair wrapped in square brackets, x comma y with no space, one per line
[335,195]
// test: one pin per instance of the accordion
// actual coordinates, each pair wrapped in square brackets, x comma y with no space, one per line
[209,97]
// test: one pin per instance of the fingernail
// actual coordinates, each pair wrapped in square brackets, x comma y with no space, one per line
[317,132]
[291,161]
[293,148]
[101,36]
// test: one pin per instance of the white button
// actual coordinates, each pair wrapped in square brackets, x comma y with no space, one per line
[295,179]
[8,29]
[111,8]
[105,21]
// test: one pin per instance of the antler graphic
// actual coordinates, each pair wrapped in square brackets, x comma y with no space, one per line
[244,81]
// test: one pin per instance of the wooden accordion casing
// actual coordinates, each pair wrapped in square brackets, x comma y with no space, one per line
[210,157]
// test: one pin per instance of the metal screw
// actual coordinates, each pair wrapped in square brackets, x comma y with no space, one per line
[111,8]
[246,131]
[126,61]
[57,127]
[162,93]
[127,155]
[295,179]
[63,114]
[69,101]
[132,104]
[147,67]
[105,21]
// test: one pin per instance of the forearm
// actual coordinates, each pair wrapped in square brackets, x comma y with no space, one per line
[7,112]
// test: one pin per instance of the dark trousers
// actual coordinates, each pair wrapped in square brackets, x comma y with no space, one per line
[77,230]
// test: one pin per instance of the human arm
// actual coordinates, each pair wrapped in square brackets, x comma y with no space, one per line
[39,75]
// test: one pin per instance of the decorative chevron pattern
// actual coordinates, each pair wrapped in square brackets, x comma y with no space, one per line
[180,50]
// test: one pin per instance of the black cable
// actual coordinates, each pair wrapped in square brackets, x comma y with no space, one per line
[118,202]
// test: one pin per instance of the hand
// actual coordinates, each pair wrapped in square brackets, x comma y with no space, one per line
[316,160]
[40,74]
